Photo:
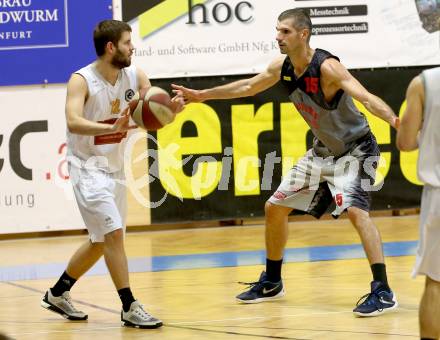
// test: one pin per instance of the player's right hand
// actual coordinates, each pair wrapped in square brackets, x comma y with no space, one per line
[177,104]
[122,124]
[188,95]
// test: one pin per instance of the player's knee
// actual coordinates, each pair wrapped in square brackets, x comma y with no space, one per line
[114,236]
[358,216]
[98,246]
[271,209]
[267,206]
[432,285]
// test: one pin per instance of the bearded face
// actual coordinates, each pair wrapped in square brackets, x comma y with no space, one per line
[120,59]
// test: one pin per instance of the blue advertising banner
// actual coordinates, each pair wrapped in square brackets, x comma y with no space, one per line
[26,24]
[44,41]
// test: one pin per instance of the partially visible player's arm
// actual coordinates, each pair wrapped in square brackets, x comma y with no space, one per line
[411,122]
[337,75]
[76,123]
[142,79]
[237,89]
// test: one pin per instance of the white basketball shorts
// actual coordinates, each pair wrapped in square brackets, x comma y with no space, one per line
[101,198]
[428,252]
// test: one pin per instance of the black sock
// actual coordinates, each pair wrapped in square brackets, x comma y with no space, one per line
[64,283]
[126,298]
[273,270]
[380,273]
[427,339]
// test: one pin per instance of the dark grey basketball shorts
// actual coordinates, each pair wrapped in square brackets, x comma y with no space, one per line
[315,182]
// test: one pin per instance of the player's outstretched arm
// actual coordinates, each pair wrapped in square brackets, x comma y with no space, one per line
[336,74]
[237,89]
[412,118]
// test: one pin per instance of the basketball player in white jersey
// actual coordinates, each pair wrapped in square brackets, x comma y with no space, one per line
[420,128]
[98,121]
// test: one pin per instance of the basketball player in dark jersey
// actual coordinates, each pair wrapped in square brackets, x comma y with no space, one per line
[321,89]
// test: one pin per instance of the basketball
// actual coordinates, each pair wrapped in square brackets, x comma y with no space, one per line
[151,108]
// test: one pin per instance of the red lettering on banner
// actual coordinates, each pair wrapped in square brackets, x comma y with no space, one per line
[62,165]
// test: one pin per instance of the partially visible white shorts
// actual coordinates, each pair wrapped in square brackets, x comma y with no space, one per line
[102,201]
[428,252]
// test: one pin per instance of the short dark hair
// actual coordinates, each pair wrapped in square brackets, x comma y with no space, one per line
[301,19]
[108,30]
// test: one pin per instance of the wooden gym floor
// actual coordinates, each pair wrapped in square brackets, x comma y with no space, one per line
[188,278]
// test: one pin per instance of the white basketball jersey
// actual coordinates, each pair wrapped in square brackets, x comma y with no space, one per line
[429,139]
[104,102]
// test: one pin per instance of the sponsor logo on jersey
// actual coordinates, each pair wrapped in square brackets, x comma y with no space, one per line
[129,94]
